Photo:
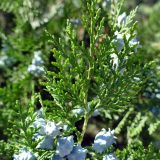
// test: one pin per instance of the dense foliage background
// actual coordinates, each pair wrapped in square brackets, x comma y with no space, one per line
[27,27]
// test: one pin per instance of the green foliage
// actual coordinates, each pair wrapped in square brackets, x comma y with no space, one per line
[138,152]
[151,28]
[85,73]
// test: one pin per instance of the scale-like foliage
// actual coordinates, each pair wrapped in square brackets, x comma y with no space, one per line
[94,69]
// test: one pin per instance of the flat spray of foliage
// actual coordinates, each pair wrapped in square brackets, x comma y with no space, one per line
[102,72]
